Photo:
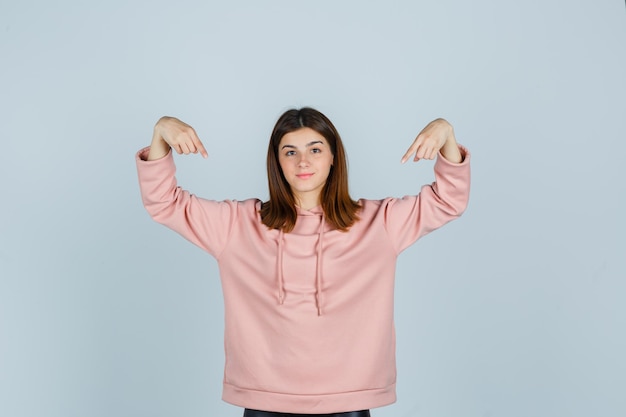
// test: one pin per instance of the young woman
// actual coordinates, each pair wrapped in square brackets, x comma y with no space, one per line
[307,276]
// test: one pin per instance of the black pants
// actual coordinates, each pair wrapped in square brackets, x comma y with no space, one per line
[256,413]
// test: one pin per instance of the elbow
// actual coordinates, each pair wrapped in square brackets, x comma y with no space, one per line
[461,207]
[159,212]
[455,208]
[454,202]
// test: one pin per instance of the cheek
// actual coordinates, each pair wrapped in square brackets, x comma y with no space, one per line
[284,165]
[328,167]
[330,162]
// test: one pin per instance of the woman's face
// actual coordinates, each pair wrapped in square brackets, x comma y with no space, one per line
[305,158]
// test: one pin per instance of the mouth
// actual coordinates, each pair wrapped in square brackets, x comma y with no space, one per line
[304,176]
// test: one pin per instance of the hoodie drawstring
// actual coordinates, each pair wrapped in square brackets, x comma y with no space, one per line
[318,277]
[281,281]
[319,300]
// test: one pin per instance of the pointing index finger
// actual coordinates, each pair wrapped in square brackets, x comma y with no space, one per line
[406,156]
[199,146]
[201,149]
[412,149]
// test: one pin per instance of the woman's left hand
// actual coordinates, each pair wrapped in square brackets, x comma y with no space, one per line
[438,135]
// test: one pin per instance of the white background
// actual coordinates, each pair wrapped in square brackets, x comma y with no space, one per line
[516,309]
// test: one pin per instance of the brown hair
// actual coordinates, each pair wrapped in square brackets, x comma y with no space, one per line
[280,211]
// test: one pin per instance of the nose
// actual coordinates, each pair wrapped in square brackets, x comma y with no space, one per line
[304,161]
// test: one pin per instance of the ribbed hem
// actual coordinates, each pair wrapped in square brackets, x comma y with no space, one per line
[309,404]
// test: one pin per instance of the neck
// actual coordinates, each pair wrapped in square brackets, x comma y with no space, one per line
[307,202]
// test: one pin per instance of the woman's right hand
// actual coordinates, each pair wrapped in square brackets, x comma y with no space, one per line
[169,132]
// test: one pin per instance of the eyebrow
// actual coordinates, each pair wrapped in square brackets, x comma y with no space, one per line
[315,142]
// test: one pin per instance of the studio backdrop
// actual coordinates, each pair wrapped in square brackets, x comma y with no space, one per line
[105,313]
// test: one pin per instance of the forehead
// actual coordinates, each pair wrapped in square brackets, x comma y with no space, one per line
[302,137]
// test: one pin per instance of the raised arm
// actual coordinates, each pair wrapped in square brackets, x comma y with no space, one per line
[169,132]
[413,216]
[206,223]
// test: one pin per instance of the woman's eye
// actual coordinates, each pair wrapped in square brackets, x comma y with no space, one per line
[316,150]
[290,153]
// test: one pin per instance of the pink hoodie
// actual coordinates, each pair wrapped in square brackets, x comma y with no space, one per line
[309,314]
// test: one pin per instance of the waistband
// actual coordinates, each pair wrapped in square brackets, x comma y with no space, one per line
[258,413]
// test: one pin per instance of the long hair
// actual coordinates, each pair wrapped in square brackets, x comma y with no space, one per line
[280,211]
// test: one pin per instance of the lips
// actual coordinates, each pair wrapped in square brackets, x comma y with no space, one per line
[304,176]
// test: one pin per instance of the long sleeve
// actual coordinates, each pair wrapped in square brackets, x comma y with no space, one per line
[205,223]
[411,217]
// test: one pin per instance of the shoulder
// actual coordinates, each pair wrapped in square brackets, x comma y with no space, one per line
[248,209]
[370,208]
[374,205]
[236,208]
[249,203]
[380,210]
